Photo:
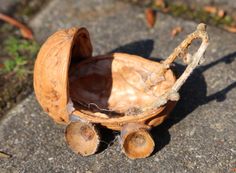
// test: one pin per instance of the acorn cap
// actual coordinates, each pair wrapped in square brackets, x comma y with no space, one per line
[83,138]
[136,141]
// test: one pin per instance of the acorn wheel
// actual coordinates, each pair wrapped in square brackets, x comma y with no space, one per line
[136,141]
[82,137]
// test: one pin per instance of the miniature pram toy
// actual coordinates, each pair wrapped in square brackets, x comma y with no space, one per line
[119,91]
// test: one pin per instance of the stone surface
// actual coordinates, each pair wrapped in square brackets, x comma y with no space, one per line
[5,6]
[198,137]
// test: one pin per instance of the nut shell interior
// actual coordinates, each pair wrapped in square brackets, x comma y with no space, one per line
[118,84]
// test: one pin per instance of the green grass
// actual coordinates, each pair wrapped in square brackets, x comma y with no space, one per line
[20,52]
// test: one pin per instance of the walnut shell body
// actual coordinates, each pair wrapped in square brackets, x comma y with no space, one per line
[111,89]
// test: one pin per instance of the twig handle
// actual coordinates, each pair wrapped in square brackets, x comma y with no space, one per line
[173,94]
[195,59]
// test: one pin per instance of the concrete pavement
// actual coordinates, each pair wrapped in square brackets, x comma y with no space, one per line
[198,137]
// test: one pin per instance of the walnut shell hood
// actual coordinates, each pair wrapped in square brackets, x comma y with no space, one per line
[52,66]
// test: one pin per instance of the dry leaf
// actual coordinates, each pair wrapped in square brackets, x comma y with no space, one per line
[25,31]
[160,3]
[4,155]
[150,17]
[165,10]
[221,13]
[210,9]
[234,17]
[175,31]
[230,28]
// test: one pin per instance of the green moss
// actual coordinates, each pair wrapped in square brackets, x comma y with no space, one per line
[20,52]
[228,20]
[30,7]
[197,14]
[178,10]
[28,11]
[5,28]
[17,56]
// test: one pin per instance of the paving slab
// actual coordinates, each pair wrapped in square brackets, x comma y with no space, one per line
[198,137]
[5,6]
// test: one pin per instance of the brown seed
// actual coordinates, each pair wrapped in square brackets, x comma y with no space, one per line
[160,3]
[221,13]
[150,17]
[165,10]
[230,28]
[210,9]
[175,31]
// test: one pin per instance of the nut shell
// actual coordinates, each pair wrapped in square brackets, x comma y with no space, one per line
[52,66]
[137,90]
[67,49]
